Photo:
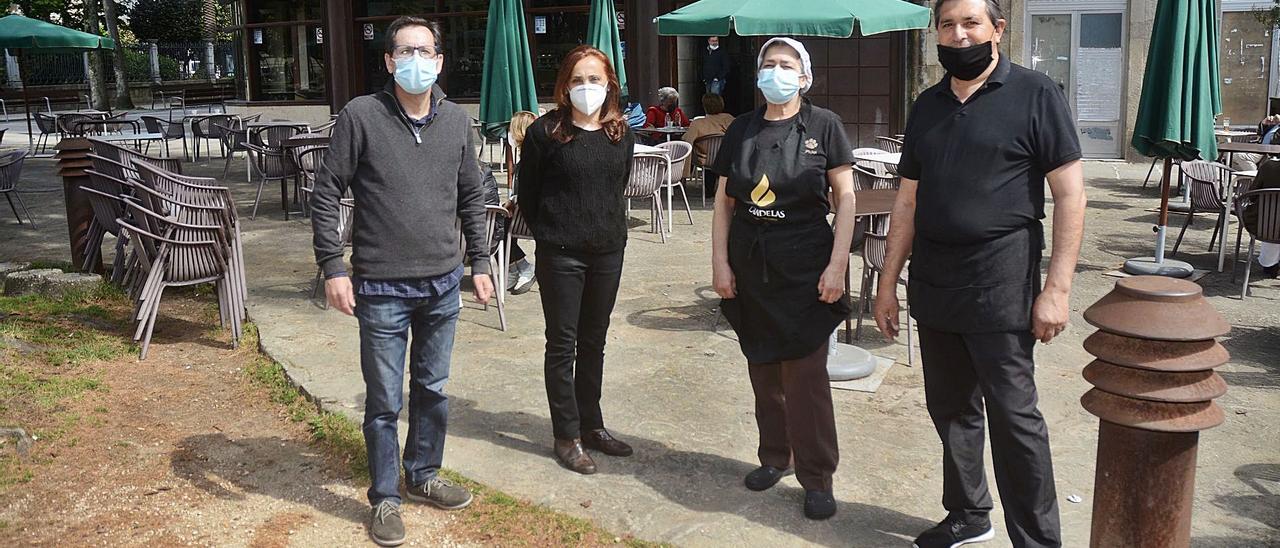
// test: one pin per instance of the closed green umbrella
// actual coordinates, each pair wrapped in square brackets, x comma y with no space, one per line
[507,85]
[1180,98]
[18,32]
[831,18]
[602,33]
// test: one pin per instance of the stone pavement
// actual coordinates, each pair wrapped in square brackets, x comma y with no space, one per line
[677,389]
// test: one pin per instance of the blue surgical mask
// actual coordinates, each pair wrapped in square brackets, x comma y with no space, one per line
[778,85]
[415,74]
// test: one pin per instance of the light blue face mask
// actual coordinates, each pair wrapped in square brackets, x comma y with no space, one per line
[415,74]
[778,85]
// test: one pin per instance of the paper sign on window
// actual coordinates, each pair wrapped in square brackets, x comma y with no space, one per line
[539,24]
[368,31]
[257,36]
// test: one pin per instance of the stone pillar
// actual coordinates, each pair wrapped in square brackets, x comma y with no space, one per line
[211,68]
[1154,387]
[73,160]
[153,52]
[12,70]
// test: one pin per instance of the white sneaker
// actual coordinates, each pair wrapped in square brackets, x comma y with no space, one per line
[524,277]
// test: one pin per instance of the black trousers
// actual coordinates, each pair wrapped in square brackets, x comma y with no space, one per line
[578,293]
[963,374]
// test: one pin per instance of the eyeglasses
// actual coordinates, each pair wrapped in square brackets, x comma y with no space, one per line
[427,52]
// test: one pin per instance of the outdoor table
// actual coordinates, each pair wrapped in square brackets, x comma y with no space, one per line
[1230,149]
[137,138]
[846,361]
[277,123]
[306,139]
[1252,174]
[888,159]
[666,131]
[1229,134]
[646,149]
[103,124]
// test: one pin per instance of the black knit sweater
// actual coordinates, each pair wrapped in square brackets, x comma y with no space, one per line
[571,193]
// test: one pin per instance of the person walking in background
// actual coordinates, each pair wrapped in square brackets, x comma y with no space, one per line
[715,122]
[715,67]
[780,269]
[978,147]
[575,164]
[407,156]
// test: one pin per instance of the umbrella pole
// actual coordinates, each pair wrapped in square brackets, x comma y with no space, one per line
[1159,265]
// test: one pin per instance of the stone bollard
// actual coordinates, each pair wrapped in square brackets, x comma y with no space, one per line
[73,160]
[1154,387]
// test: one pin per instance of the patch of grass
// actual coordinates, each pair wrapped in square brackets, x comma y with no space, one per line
[496,516]
[13,472]
[64,266]
[46,392]
[71,330]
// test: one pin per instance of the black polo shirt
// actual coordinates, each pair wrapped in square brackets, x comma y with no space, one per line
[981,164]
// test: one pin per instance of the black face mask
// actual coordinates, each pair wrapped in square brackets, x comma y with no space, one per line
[965,63]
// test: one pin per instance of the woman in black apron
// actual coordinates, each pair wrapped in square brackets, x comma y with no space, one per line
[780,269]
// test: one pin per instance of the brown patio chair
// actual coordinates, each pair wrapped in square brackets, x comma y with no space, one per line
[679,153]
[105,197]
[1208,190]
[172,131]
[207,128]
[873,253]
[270,162]
[1266,206]
[48,125]
[648,173]
[889,144]
[709,146]
[10,174]
[308,160]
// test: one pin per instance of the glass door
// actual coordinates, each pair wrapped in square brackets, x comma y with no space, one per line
[1084,54]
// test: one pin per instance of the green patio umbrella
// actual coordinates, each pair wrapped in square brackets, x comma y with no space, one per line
[831,18]
[1180,98]
[602,33]
[507,84]
[23,33]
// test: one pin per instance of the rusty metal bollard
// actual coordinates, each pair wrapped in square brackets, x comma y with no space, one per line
[73,160]
[1154,387]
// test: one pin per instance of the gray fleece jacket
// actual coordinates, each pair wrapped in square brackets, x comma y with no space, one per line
[410,187]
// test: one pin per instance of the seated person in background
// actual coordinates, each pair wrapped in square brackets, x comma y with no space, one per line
[1267,128]
[667,112]
[520,276]
[1268,254]
[716,121]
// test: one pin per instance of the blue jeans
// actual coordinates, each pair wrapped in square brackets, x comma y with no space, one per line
[385,323]
[715,86]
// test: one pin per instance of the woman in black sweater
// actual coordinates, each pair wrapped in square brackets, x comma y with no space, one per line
[573,169]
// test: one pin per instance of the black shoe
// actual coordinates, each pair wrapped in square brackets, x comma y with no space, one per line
[764,477]
[385,526]
[819,504]
[957,530]
[601,440]
[1272,271]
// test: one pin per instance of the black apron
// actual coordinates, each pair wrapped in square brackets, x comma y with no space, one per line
[779,245]
[983,287]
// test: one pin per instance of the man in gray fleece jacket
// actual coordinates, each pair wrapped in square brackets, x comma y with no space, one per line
[406,156]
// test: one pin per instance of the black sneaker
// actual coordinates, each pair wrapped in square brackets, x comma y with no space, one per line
[441,493]
[1272,271]
[764,477]
[956,530]
[385,526]
[819,504]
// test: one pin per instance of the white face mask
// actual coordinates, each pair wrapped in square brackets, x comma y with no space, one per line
[587,98]
[713,47]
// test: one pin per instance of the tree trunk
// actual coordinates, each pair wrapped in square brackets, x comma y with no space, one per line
[97,80]
[122,100]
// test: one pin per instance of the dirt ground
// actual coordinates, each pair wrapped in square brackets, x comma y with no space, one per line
[182,449]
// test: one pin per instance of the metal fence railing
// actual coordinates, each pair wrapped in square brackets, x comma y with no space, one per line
[143,63]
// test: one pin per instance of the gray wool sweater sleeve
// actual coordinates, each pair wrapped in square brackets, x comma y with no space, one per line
[332,180]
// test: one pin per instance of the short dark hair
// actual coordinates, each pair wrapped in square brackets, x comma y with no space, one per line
[411,21]
[712,103]
[994,12]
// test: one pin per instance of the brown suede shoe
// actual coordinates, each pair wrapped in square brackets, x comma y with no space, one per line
[601,440]
[571,455]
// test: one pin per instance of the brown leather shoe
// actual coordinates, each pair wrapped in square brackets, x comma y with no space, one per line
[601,440]
[571,455]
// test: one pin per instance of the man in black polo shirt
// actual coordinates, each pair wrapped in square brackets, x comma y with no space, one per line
[977,150]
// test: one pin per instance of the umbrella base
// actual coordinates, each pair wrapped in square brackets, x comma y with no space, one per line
[1147,266]
[846,362]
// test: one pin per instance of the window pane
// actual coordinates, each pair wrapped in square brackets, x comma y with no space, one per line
[466,5]
[375,8]
[557,3]
[290,64]
[564,31]
[1100,30]
[464,55]
[275,11]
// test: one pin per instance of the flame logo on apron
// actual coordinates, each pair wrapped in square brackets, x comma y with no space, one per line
[761,195]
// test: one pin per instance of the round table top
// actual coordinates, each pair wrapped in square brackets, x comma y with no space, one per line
[875,202]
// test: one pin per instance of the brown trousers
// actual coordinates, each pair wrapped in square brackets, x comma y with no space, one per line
[795,417]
